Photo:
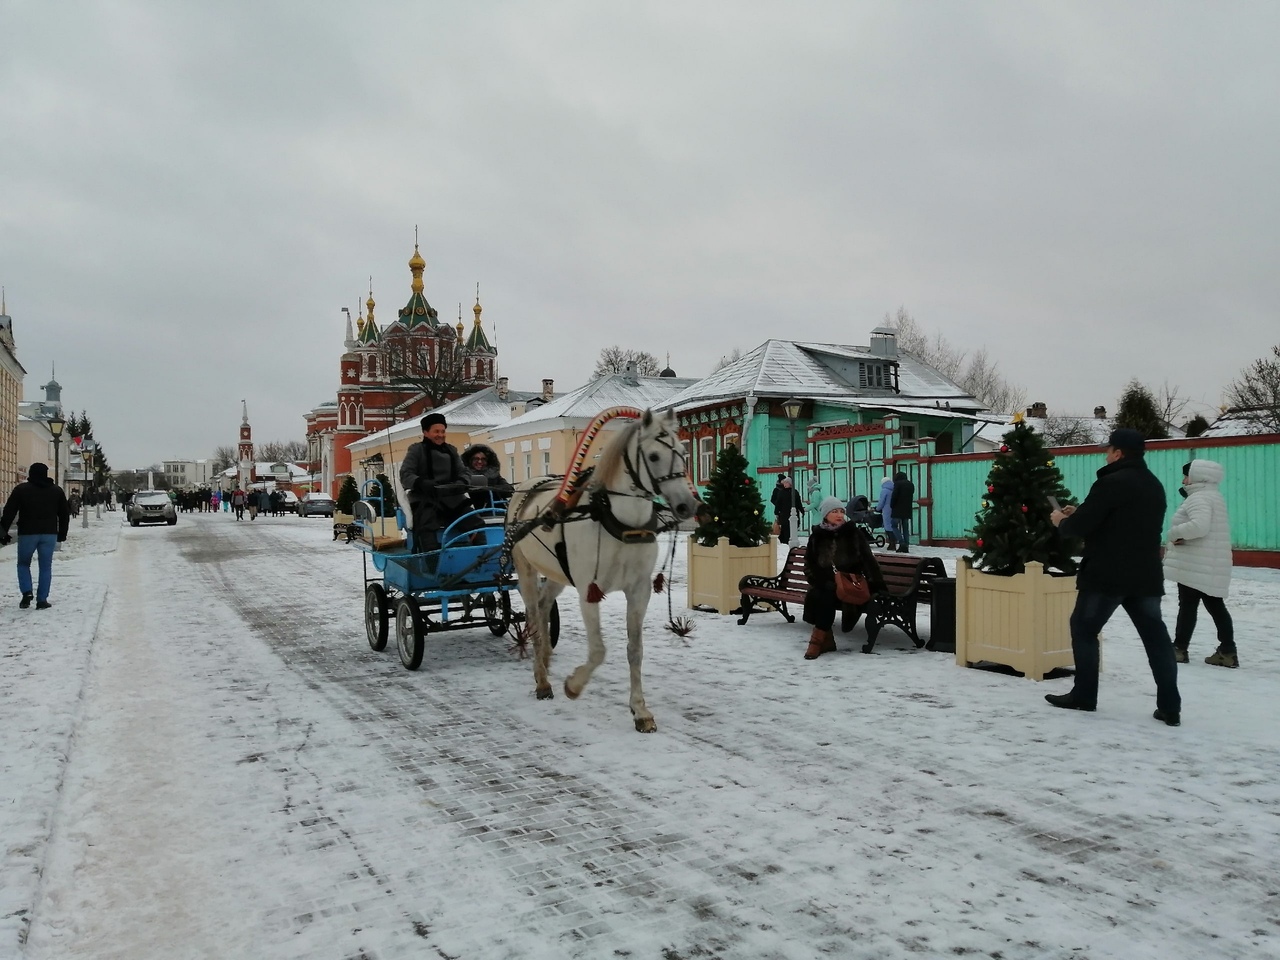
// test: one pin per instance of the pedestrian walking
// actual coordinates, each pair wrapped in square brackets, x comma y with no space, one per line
[1121,524]
[786,502]
[1198,560]
[237,503]
[902,501]
[43,516]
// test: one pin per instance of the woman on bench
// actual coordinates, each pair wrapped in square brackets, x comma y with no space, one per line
[835,544]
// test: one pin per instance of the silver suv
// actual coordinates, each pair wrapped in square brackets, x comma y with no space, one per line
[152,506]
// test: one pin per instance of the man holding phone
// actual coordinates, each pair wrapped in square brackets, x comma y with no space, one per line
[1121,522]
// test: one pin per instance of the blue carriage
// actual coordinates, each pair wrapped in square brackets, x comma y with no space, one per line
[462,584]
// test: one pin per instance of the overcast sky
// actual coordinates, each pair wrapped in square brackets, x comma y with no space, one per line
[191,191]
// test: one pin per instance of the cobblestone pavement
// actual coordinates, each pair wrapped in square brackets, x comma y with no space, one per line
[447,813]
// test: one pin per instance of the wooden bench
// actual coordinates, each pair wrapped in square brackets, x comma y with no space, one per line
[789,586]
[910,582]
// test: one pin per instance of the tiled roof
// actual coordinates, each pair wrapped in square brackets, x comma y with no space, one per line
[819,371]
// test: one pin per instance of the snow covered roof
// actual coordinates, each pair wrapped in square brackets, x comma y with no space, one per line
[263,469]
[1235,423]
[475,411]
[821,371]
[588,401]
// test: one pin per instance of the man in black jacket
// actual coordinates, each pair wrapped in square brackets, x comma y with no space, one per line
[43,517]
[786,503]
[1122,525]
[901,503]
[436,483]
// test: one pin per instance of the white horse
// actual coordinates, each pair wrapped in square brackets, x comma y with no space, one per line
[606,543]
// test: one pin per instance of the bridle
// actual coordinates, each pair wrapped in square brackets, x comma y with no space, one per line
[676,465]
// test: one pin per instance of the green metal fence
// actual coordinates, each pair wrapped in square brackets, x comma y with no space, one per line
[1251,484]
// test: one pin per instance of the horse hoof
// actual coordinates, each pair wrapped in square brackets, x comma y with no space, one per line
[546,693]
[569,691]
[646,725]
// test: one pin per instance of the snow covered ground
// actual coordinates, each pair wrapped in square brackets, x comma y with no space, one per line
[201,757]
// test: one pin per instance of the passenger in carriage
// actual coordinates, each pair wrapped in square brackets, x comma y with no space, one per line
[437,483]
[482,460]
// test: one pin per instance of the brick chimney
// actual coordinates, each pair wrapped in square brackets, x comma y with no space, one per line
[1038,410]
[548,390]
[502,388]
[1100,413]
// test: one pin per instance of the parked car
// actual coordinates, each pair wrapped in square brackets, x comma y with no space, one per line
[152,506]
[316,505]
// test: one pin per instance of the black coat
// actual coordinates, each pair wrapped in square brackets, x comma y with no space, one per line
[499,488]
[435,482]
[40,506]
[785,500]
[845,548]
[903,498]
[1122,524]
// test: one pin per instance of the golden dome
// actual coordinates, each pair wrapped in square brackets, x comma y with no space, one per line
[460,331]
[416,262]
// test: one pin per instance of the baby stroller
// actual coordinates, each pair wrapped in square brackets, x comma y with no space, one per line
[859,512]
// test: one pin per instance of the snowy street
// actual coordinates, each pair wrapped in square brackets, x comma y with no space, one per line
[202,758]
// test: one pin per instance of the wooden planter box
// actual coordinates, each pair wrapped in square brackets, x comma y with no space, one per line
[1021,621]
[714,572]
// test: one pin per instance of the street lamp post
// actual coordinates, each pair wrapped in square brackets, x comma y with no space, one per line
[56,426]
[791,407]
[86,454]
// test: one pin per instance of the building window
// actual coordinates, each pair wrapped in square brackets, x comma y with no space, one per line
[872,375]
[730,439]
[528,465]
[908,433]
[546,463]
[511,467]
[706,458]
[688,458]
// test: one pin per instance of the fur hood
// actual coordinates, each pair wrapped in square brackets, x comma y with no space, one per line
[491,458]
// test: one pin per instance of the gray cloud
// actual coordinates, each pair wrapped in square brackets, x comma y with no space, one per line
[189,192]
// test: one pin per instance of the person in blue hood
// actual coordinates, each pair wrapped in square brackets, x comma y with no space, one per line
[43,516]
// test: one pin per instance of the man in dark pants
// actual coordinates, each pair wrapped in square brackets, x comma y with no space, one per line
[1121,523]
[43,516]
[786,504]
[901,502]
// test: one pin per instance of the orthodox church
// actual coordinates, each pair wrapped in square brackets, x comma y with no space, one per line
[416,344]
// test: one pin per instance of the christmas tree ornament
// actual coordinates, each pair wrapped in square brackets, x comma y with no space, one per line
[1004,448]
[1024,508]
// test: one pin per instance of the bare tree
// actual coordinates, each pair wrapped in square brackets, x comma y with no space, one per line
[615,359]
[733,356]
[224,457]
[1255,394]
[977,374]
[1170,403]
[282,451]
[438,372]
[1067,432]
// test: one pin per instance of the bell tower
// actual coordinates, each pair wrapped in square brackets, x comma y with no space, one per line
[245,448]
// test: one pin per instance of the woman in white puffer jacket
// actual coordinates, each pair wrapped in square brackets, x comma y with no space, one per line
[1198,560]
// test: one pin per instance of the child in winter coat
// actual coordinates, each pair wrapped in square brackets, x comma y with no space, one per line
[1198,560]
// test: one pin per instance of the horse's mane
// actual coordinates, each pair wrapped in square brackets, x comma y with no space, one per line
[610,462]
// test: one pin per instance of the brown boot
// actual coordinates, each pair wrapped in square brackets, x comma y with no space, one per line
[820,642]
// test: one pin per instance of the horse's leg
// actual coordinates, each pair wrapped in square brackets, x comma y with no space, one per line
[537,620]
[577,681]
[637,604]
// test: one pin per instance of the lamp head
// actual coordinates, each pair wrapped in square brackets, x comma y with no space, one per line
[56,426]
[792,408]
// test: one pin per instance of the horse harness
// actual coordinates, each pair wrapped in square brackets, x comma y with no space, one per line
[598,508]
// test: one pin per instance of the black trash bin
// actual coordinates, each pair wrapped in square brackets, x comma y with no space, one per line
[942,615]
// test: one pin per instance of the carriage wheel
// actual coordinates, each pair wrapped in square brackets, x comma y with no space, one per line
[555,623]
[410,632]
[497,612]
[376,615]
[880,540]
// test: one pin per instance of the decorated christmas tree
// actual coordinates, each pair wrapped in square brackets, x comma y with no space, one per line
[348,494]
[1013,527]
[735,510]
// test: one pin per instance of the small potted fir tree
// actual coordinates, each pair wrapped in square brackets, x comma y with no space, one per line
[1015,592]
[343,508]
[734,540]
